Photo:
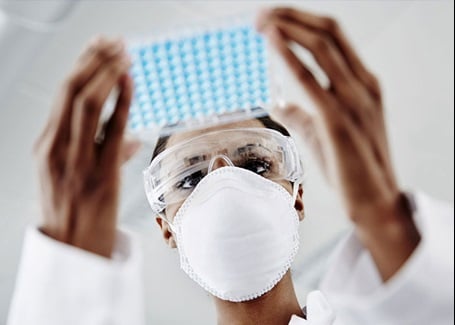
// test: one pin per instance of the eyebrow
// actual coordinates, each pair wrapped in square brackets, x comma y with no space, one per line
[246,147]
[251,145]
[194,159]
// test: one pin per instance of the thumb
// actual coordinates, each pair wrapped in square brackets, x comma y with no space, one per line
[129,148]
[306,125]
[294,117]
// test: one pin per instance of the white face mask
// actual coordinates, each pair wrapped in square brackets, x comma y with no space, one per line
[237,234]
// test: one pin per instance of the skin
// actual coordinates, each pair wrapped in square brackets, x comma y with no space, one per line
[278,305]
[79,177]
[171,210]
[347,133]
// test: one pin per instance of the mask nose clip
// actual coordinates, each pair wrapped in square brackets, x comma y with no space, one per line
[219,161]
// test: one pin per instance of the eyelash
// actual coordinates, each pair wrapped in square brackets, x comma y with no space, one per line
[191,179]
[249,163]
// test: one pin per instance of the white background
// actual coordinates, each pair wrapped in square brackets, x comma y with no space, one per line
[409,45]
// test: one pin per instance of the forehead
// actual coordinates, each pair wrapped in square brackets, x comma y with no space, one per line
[183,136]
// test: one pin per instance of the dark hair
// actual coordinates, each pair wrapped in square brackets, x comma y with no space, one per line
[265,120]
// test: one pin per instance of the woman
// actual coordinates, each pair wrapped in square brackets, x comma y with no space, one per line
[394,268]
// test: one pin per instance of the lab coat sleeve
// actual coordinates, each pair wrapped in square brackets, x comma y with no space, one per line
[62,284]
[421,292]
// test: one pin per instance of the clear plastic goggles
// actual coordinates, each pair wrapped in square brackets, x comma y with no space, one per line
[175,172]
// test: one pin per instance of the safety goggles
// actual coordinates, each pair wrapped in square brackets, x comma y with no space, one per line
[175,172]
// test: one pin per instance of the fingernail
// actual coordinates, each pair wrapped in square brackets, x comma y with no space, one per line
[273,31]
[96,40]
[266,12]
[132,147]
[117,47]
[281,104]
[127,59]
[273,35]
[261,19]
[278,114]
[284,113]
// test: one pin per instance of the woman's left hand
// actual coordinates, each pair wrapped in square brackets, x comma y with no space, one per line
[348,132]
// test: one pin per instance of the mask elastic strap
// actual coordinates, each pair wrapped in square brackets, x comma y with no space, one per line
[169,224]
[295,190]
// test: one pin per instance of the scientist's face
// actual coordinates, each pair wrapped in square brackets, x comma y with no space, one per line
[175,139]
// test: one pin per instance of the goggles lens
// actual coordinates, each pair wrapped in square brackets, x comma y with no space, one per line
[174,173]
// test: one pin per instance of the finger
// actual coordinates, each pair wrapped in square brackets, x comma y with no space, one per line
[101,49]
[110,150]
[128,149]
[298,69]
[331,27]
[297,119]
[321,47]
[89,103]
[304,124]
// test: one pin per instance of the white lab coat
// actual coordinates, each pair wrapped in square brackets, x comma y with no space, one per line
[61,284]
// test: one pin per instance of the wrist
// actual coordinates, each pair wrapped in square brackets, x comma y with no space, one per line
[100,241]
[392,219]
[391,208]
[390,235]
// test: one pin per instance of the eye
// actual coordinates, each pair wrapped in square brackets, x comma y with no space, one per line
[258,166]
[190,181]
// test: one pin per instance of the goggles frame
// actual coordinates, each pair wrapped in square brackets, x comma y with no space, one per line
[154,186]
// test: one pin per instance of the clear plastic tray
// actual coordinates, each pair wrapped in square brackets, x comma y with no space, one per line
[199,77]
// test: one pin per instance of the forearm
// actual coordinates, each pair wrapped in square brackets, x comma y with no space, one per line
[354,286]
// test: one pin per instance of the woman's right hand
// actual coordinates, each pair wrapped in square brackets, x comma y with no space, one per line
[79,177]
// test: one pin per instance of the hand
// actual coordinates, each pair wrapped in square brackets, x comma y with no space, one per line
[347,132]
[79,177]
